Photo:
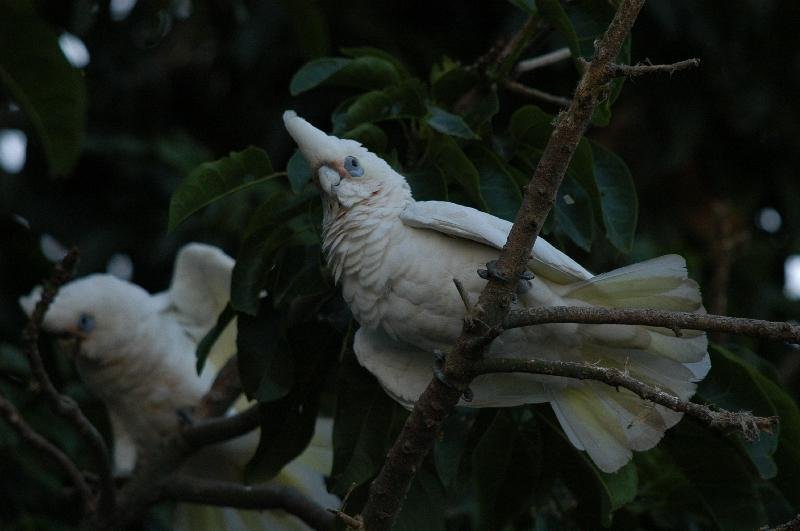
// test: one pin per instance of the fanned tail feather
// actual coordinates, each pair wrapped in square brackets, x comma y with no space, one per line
[610,423]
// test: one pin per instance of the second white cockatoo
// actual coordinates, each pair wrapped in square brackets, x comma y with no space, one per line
[137,354]
[395,259]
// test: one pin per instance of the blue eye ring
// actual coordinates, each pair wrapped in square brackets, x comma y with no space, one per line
[86,323]
[353,167]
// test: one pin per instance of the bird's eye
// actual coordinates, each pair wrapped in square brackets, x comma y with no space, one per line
[86,323]
[353,167]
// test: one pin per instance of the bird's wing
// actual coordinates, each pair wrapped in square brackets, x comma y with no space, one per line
[200,287]
[465,222]
[404,371]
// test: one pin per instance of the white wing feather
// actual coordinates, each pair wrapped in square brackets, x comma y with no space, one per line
[200,287]
[464,222]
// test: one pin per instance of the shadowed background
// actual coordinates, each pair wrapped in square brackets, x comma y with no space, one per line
[713,151]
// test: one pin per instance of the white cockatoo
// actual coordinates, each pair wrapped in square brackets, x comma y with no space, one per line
[395,259]
[137,354]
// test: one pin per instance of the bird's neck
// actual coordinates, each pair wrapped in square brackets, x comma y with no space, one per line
[349,232]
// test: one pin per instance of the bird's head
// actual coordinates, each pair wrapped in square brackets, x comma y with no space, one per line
[100,311]
[346,172]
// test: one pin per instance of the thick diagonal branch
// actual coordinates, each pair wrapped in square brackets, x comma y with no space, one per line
[649,317]
[181,488]
[62,404]
[437,401]
[743,422]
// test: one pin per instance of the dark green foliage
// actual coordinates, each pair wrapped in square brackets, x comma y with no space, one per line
[46,87]
[212,181]
[456,136]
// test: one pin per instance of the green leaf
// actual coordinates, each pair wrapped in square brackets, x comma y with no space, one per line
[403,101]
[298,171]
[287,424]
[553,13]
[427,184]
[599,494]
[531,126]
[264,356]
[449,449]
[573,213]
[581,167]
[365,72]
[618,199]
[368,51]
[38,77]
[498,187]
[733,385]
[719,474]
[256,255]
[449,81]
[212,181]
[205,345]
[506,468]
[365,423]
[787,455]
[454,166]
[424,506]
[370,136]
[449,124]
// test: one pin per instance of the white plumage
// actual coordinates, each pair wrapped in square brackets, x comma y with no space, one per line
[137,355]
[395,259]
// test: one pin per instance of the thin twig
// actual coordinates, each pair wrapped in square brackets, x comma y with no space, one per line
[508,55]
[30,436]
[463,294]
[181,488]
[640,69]
[519,88]
[389,488]
[649,317]
[556,56]
[742,421]
[62,404]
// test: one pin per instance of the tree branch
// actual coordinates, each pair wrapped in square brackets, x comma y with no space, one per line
[519,88]
[640,69]
[225,390]
[219,429]
[648,317]
[62,404]
[484,324]
[742,421]
[139,492]
[556,56]
[181,488]
[791,525]
[29,435]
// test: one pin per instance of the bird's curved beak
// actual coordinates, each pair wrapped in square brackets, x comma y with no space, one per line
[317,147]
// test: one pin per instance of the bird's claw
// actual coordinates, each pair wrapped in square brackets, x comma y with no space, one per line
[438,372]
[491,271]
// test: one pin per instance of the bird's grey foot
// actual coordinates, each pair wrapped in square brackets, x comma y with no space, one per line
[438,372]
[492,272]
[185,416]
